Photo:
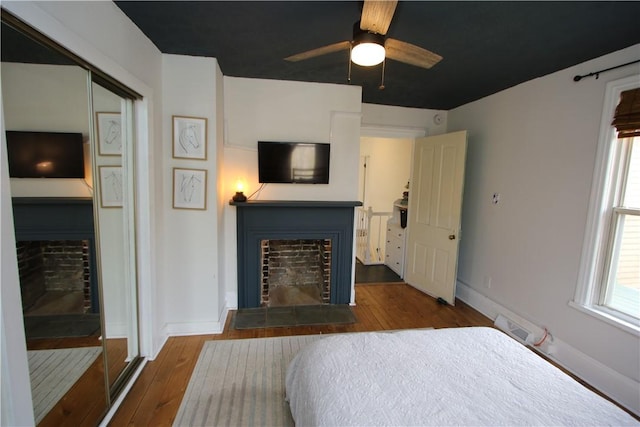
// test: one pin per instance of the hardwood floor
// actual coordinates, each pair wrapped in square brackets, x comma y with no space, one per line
[156,396]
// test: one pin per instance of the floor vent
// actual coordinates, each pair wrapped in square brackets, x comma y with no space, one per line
[515,330]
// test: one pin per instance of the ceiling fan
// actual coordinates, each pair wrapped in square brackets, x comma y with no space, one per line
[370,46]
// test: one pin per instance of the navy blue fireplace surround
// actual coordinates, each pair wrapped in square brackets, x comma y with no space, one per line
[291,220]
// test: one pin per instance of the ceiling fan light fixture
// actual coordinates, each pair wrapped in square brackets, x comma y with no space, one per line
[368,49]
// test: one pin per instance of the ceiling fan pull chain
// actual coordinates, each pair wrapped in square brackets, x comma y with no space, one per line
[349,76]
[381,87]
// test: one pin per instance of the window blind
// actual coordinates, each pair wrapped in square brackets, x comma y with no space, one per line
[626,119]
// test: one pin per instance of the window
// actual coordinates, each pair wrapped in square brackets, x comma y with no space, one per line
[621,284]
[609,280]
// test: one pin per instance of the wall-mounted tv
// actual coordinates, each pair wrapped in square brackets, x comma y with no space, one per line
[293,162]
[45,154]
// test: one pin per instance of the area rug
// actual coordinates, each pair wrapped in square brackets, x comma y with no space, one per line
[241,383]
[54,372]
[296,315]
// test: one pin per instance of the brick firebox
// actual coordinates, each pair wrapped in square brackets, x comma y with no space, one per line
[295,272]
[55,265]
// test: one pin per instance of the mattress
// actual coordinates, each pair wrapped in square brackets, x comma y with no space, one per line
[459,376]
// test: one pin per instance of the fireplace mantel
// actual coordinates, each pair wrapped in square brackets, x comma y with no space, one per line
[296,204]
[259,220]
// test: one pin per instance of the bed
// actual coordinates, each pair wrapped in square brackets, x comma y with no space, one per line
[458,376]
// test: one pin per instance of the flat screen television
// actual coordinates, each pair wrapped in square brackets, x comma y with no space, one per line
[293,162]
[45,154]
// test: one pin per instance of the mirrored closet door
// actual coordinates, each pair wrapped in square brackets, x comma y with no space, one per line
[113,158]
[70,148]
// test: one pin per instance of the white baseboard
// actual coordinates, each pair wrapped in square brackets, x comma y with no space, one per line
[621,389]
[190,328]
[162,340]
[193,328]
[231,301]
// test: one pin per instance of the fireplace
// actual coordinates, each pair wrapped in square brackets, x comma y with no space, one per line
[55,245]
[304,223]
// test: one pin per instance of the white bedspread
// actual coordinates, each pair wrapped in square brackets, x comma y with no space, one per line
[459,376]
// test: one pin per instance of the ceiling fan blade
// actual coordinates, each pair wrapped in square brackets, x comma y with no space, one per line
[335,47]
[410,54]
[377,15]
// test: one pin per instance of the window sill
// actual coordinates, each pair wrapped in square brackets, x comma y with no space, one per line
[605,316]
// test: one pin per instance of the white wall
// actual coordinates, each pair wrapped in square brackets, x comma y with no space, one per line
[222,202]
[189,263]
[100,33]
[271,110]
[535,144]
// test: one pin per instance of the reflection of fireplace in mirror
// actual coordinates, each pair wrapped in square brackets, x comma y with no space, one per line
[55,284]
[295,272]
[56,252]
[54,276]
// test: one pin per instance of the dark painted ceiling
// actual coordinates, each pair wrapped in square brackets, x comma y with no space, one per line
[487,46]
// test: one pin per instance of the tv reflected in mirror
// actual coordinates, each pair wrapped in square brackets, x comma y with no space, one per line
[293,162]
[45,154]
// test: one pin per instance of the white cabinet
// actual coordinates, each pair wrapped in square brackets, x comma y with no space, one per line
[394,247]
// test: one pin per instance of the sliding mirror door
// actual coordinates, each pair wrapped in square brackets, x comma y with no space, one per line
[46,111]
[70,147]
[115,207]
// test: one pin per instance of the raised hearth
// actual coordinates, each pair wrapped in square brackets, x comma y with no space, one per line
[290,220]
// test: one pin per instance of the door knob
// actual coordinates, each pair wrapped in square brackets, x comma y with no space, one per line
[452,237]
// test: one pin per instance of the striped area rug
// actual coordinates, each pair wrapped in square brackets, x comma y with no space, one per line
[54,372]
[241,383]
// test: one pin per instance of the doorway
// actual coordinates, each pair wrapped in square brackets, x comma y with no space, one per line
[385,166]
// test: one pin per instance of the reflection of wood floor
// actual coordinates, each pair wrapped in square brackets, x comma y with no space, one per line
[85,402]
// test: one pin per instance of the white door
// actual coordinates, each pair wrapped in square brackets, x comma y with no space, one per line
[435,204]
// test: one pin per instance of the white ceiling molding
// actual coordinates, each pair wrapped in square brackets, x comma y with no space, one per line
[386,131]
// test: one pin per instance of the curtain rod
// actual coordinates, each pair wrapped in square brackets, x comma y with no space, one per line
[597,73]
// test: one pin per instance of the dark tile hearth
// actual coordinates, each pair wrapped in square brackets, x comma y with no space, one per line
[268,317]
[62,326]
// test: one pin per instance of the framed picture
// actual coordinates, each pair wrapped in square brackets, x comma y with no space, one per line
[189,138]
[189,188]
[111,186]
[109,134]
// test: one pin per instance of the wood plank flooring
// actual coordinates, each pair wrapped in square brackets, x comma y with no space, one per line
[156,395]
